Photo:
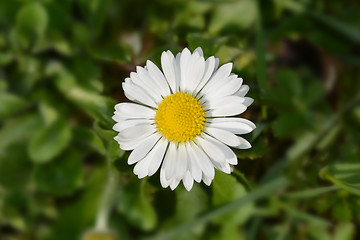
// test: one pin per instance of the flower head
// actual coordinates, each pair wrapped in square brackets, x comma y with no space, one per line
[182,119]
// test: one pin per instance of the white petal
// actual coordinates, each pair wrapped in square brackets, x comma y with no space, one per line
[195,76]
[151,83]
[158,77]
[141,168]
[164,182]
[211,150]
[129,95]
[242,91]
[137,132]
[226,106]
[231,120]
[194,168]
[202,160]
[128,144]
[174,183]
[122,125]
[192,70]
[222,73]
[248,101]
[133,110]
[224,167]
[230,87]
[209,70]
[181,162]
[199,51]
[234,125]
[156,160]
[207,180]
[150,163]
[224,136]
[132,137]
[184,68]
[216,87]
[142,150]
[229,109]
[217,62]
[169,164]
[244,144]
[146,83]
[178,71]
[138,94]
[217,151]
[188,181]
[170,69]
[221,102]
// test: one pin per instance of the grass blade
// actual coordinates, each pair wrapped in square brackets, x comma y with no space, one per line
[262,191]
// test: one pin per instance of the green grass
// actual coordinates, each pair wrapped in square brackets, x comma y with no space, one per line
[62,176]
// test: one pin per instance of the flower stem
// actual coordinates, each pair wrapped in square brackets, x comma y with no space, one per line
[108,199]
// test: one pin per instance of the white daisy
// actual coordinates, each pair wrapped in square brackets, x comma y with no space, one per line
[182,118]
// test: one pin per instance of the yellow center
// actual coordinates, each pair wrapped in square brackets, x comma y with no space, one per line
[180,117]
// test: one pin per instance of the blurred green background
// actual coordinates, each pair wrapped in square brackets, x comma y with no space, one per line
[63,177]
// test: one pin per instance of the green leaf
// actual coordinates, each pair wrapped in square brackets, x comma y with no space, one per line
[316,232]
[260,51]
[10,104]
[62,176]
[6,58]
[303,144]
[31,69]
[233,16]
[61,44]
[190,204]
[288,124]
[233,54]
[265,190]
[345,175]
[18,130]
[230,231]
[112,53]
[14,203]
[100,235]
[277,97]
[344,231]
[307,217]
[288,94]
[88,74]
[226,189]
[15,167]
[113,149]
[89,139]
[50,141]
[136,206]
[78,215]
[257,150]
[290,81]
[343,29]
[314,93]
[311,193]
[209,45]
[97,106]
[341,210]
[96,12]
[32,21]
[194,10]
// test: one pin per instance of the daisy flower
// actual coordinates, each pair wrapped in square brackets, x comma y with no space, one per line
[182,118]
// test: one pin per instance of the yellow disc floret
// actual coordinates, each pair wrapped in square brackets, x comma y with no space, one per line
[180,117]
